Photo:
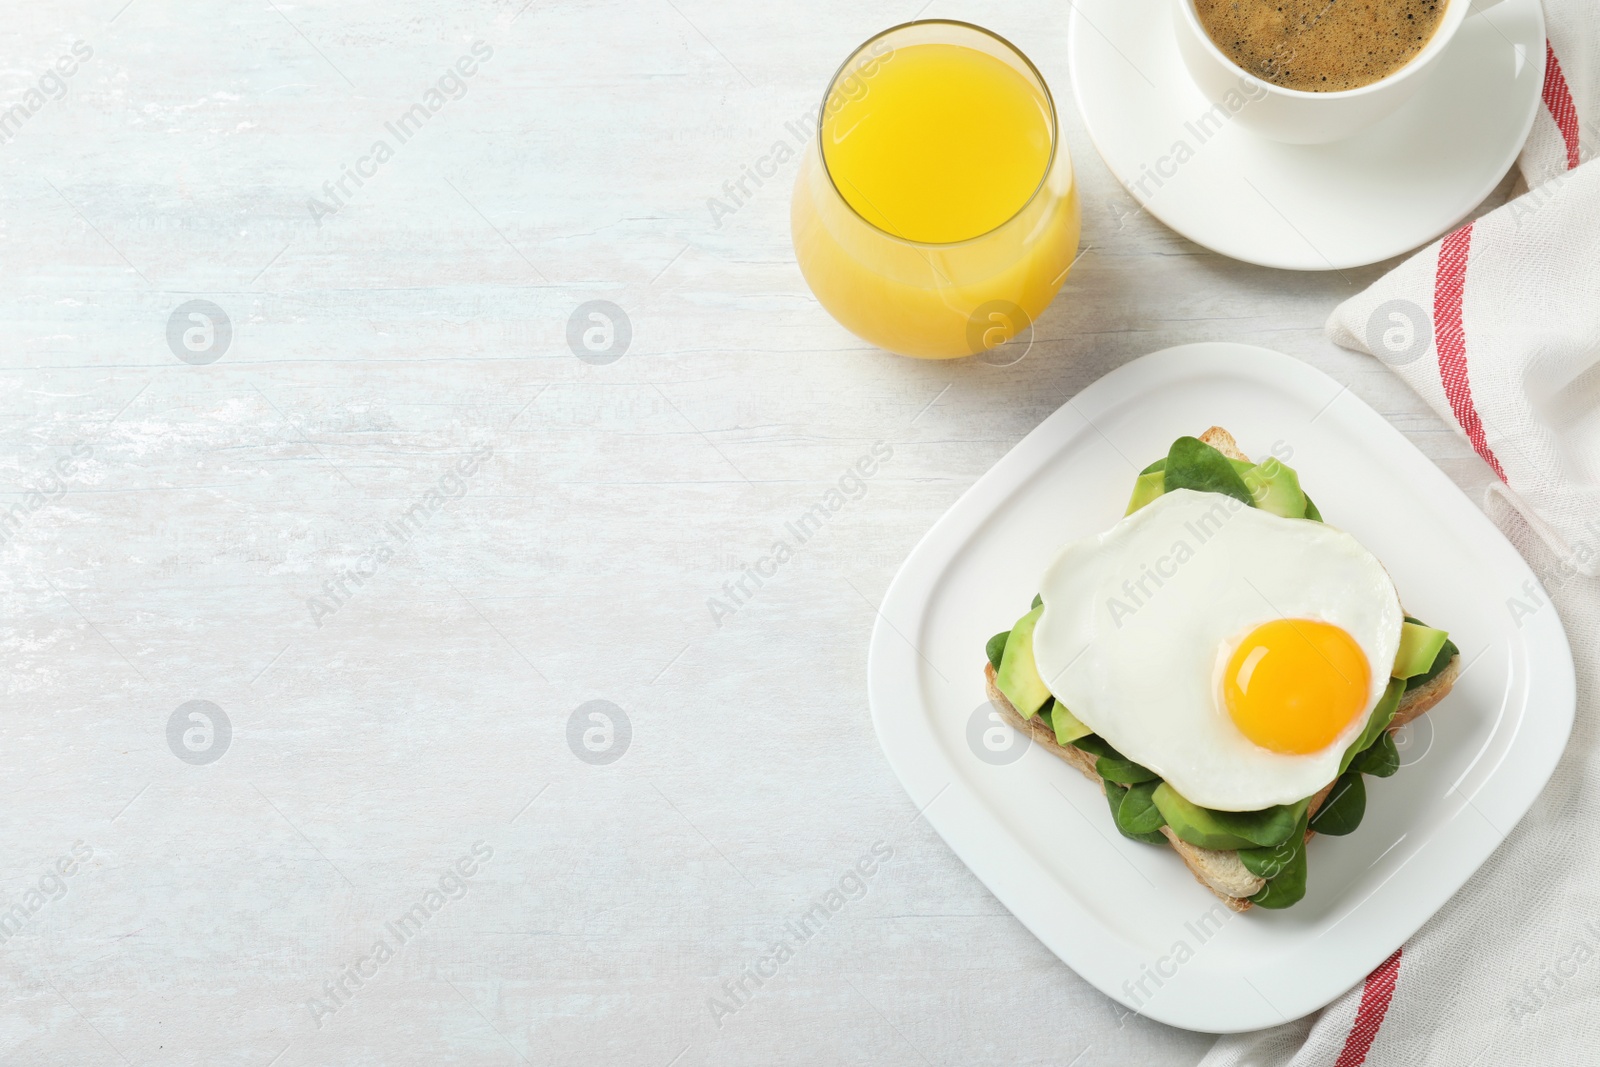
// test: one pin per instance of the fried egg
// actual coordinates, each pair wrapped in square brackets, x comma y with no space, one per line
[1234,652]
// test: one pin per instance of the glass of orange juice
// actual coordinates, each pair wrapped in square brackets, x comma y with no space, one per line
[936,215]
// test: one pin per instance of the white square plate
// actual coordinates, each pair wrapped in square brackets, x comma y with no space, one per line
[1127,916]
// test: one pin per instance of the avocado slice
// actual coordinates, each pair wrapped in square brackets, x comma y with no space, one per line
[1018,676]
[1419,646]
[1068,728]
[1226,830]
[1276,488]
[1145,489]
[1440,664]
[1194,823]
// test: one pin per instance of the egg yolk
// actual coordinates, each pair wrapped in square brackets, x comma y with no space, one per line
[1294,685]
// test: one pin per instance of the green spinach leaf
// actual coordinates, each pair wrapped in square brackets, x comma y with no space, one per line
[1380,759]
[1138,814]
[1096,745]
[1267,827]
[1271,862]
[1123,771]
[1341,813]
[1288,886]
[996,648]
[1193,464]
[1130,810]
[1376,723]
[1112,765]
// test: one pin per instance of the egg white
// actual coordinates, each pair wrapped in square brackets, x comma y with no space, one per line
[1139,623]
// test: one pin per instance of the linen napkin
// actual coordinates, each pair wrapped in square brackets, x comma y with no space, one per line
[1497,326]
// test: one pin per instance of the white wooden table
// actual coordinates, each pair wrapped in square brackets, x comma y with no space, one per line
[193,522]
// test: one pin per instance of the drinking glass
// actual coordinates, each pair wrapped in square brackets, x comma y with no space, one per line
[933,299]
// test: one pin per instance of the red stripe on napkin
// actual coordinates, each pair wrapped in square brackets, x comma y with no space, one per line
[1558,98]
[1451,340]
[1375,997]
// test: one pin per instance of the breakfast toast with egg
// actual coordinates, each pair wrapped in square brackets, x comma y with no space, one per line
[1224,871]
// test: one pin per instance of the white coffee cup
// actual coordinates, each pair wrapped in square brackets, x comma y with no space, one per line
[1299,117]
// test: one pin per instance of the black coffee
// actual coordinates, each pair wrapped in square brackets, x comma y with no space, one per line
[1320,46]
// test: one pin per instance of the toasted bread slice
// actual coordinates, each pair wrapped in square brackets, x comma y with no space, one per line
[1223,442]
[1222,872]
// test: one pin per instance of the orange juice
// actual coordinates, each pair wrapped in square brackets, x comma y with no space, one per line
[936,214]
[946,144]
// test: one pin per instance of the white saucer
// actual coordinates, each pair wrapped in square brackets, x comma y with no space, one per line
[1389,189]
